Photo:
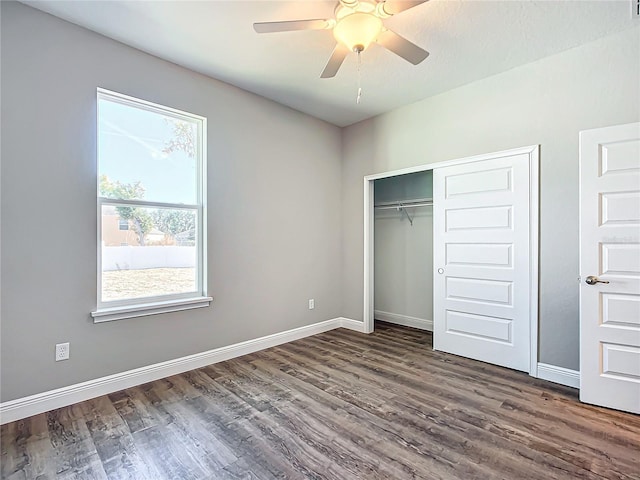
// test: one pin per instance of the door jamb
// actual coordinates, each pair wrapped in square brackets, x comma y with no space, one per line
[534,154]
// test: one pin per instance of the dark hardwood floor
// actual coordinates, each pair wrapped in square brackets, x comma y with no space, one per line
[340,405]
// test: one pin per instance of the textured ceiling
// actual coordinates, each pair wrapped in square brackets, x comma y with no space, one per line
[468,40]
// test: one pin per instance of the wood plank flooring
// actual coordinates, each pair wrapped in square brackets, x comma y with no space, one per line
[339,405]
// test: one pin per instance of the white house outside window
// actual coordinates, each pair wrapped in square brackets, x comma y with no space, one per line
[151,202]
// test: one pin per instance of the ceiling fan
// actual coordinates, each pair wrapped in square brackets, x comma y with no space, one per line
[356,25]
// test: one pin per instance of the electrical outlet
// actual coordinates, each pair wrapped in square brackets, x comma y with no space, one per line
[62,351]
[312,304]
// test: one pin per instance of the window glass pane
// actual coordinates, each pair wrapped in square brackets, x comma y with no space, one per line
[146,155]
[156,256]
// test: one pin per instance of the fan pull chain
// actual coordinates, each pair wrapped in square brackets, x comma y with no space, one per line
[359,77]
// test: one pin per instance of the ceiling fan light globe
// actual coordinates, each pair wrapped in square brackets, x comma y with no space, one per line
[349,3]
[358,30]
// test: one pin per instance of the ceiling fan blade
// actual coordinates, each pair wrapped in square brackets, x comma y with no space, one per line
[290,26]
[337,57]
[393,7]
[402,47]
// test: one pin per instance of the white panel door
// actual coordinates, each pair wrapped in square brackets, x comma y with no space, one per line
[482,264]
[610,267]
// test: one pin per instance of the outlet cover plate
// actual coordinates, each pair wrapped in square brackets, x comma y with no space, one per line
[62,351]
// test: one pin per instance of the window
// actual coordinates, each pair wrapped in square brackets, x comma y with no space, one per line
[151,208]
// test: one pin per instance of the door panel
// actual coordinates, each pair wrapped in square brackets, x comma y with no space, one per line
[620,310]
[481,247]
[479,290]
[621,361]
[619,157]
[491,255]
[480,326]
[610,250]
[621,208]
[620,259]
[487,218]
[478,182]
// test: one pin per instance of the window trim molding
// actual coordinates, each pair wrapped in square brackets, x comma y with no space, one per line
[151,308]
[142,306]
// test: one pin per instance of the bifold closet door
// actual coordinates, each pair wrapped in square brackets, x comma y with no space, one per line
[482,272]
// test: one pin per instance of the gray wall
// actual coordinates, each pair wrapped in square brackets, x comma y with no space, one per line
[285,193]
[546,102]
[403,264]
[403,253]
[274,209]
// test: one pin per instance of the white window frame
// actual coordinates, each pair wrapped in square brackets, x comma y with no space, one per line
[137,307]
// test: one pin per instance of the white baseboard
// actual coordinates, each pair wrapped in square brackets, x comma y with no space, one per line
[356,325]
[407,321]
[561,375]
[61,397]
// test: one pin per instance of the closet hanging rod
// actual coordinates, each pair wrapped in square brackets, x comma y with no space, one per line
[396,205]
[407,203]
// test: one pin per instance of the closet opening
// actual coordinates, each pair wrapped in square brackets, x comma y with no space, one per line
[403,250]
[452,247]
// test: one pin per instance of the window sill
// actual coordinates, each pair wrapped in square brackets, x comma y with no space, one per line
[144,309]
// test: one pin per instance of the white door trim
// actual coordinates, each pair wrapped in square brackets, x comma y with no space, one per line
[533,152]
